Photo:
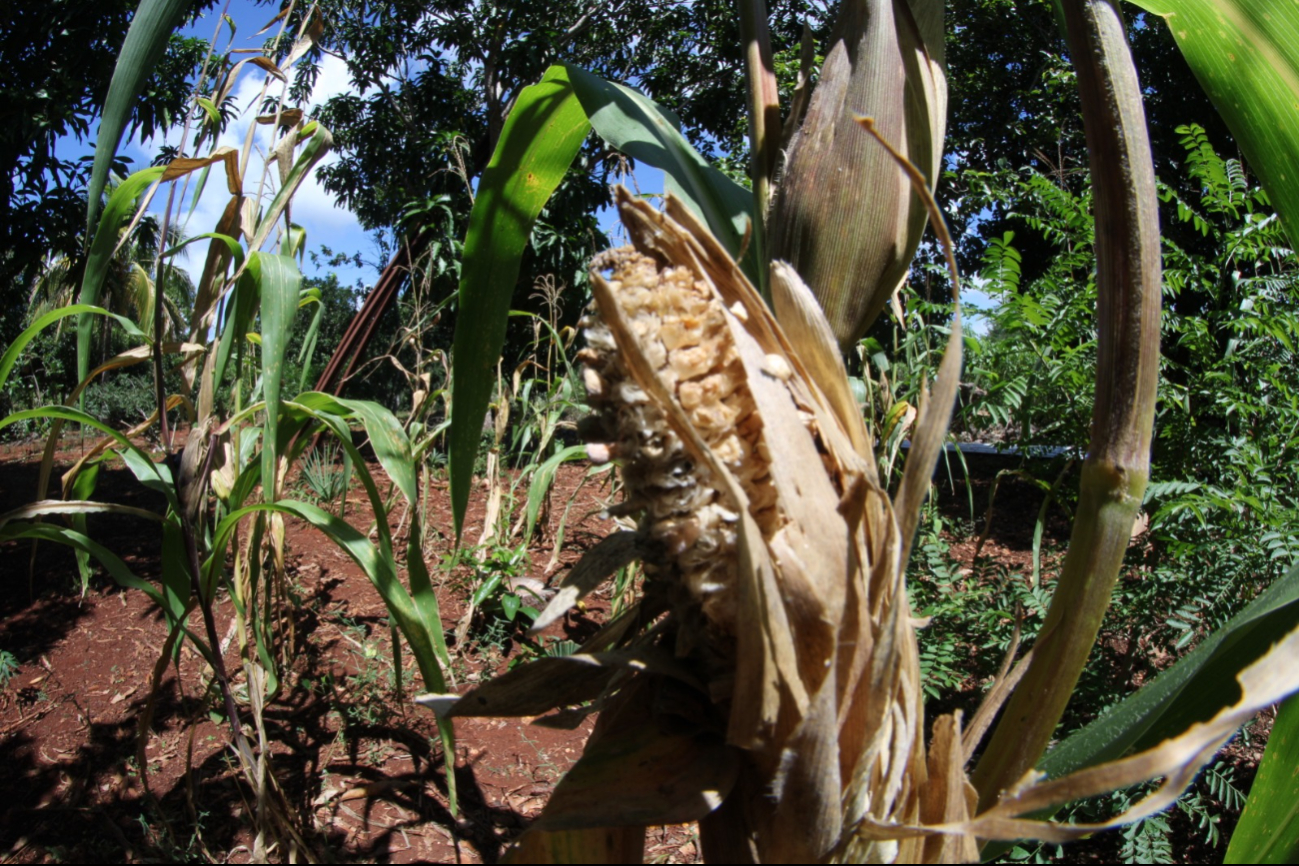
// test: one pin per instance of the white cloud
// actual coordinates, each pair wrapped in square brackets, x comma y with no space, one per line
[313,208]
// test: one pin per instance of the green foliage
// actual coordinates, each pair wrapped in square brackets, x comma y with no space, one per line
[127,398]
[8,668]
[536,147]
[1221,509]
[56,61]
[497,593]
[1228,409]
[323,477]
[972,612]
[1268,831]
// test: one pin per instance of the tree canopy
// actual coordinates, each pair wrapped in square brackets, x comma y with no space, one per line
[56,61]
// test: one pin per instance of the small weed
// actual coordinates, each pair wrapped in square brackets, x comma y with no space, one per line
[496,594]
[323,478]
[366,690]
[8,668]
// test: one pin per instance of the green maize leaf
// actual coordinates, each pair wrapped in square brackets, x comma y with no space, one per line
[241,314]
[308,350]
[381,569]
[390,443]
[212,113]
[541,137]
[250,471]
[83,488]
[392,447]
[646,131]
[145,43]
[116,568]
[233,245]
[1246,56]
[120,208]
[177,586]
[279,280]
[1190,691]
[199,186]
[155,476]
[10,356]
[544,479]
[76,507]
[327,409]
[426,600]
[1268,831]
[317,146]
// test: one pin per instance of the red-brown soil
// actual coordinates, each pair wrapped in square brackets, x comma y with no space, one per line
[362,766]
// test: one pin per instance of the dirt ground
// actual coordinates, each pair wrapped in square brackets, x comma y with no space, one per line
[362,765]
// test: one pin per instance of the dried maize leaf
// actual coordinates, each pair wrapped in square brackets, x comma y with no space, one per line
[947,797]
[801,316]
[656,756]
[802,819]
[529,690]
[644,776]
[597,565]
[551,683]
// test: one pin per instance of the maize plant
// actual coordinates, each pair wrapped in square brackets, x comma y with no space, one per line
[767,683]
[225,490]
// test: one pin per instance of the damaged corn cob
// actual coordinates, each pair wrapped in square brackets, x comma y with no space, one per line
[701,461]
[684,332]
[767,683]
[772,650]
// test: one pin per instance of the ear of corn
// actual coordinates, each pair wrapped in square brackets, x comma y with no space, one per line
[778,673]
[844,216]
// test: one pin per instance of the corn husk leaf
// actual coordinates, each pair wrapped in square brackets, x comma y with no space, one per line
[844,217]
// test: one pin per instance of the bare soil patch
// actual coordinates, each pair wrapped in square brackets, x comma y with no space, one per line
[361,763]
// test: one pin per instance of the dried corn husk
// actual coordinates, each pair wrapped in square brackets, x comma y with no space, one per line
[767,684]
